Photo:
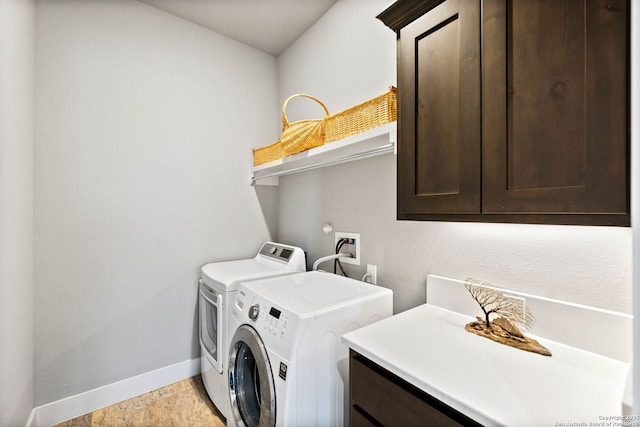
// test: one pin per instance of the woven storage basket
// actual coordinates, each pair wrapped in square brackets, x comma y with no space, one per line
[359,118]
[267,153]
[304,134]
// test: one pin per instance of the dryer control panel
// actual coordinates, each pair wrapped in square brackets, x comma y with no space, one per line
[279,252]
[288,257]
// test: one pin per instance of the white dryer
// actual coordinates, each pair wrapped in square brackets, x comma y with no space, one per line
[287,363]
[218,284]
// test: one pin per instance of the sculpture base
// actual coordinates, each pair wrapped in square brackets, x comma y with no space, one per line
[499,335]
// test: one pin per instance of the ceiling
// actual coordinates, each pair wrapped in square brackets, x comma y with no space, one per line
[268,25]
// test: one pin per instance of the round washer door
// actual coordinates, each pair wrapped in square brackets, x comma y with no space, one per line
[251,387]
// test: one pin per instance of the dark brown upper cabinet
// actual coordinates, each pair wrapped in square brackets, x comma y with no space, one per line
[513,110]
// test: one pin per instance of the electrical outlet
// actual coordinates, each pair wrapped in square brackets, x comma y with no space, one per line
[372,271]
[352,246]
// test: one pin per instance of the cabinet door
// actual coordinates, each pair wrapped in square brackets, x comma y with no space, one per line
[554,104]
[439,111]
[380,398]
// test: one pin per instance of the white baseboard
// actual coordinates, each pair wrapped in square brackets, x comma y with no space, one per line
[89,401]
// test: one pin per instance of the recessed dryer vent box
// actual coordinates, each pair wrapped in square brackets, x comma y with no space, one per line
[352,247]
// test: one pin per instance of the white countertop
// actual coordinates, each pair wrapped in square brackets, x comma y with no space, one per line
[494,384]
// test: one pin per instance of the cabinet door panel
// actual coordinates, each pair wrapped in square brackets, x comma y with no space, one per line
[555,133]
[438,126]
[547,95]
[439,148]
[380,398]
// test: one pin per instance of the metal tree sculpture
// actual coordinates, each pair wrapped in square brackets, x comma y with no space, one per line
[509,311]
[493,301]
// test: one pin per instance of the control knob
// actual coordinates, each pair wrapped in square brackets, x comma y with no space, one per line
[254,310]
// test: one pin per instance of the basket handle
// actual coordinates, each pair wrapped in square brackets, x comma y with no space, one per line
[285,121]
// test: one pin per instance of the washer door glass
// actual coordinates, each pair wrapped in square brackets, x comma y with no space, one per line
[250,380]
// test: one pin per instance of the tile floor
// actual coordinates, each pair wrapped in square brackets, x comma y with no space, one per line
[183,404]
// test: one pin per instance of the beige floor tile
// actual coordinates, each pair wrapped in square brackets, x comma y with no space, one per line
[123,416]
[82,421]
[183,404]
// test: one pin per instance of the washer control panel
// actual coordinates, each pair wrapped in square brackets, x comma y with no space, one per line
[267,319]
[278,327]
[275,322]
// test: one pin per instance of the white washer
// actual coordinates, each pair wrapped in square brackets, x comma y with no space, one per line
[287,363]
[217,285]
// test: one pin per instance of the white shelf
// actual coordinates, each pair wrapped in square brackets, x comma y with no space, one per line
[374,142]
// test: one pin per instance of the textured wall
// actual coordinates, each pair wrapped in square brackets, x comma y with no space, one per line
[348,57]
[588,265]
[144,125]
[17,25]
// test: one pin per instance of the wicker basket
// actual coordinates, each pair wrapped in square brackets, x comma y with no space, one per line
[304,134]
[368,115]
[267,153]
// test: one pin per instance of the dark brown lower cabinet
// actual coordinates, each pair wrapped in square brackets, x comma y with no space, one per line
[379,398]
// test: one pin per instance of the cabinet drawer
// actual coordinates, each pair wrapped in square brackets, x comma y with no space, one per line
[359,418]
[378,397]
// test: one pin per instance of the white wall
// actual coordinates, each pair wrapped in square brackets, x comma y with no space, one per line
[16,209]
[143,128]
[17,25]
[348,57]
[144,124]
